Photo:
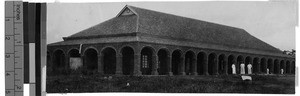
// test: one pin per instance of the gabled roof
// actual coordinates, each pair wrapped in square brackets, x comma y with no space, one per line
[134,20]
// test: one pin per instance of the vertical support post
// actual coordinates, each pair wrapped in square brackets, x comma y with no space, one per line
[137,65]
[169,64]
[100,63]
[194,64]
[119,64]
[155,64]
[205,65]
[216,66]
[182,67]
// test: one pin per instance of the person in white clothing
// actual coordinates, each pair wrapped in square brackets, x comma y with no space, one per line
[268,71]
[281,71]
[249,66]
[242,68]
[233,69]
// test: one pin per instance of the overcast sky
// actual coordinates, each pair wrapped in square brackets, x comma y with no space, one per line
[272,22]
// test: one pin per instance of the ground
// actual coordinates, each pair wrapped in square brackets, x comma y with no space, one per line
[265,84]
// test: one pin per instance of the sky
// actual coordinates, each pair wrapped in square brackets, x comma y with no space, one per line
[273,22]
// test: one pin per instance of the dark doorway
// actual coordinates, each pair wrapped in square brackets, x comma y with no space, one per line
[91,59]
[211,63]
[127,60]
[176,61]
[200,62]
[221,64]
[189,60]
[58,61]
[263,67]
[230,62]
[162,61]
[109,61]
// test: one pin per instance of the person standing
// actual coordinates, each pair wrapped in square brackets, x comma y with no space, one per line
[249,66]
[242,68]
[233,69]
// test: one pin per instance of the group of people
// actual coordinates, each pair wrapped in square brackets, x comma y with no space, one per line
[249,69]
[242,68]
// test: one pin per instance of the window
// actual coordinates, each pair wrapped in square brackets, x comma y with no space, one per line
[145,61]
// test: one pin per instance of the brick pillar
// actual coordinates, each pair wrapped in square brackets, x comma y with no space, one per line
[137,64]
[194,64]
[100,64]
[271,69]
[169,65]
[119,64]
[258,66]
[182,67]
[225,65]
[155,64]
[216,66]
[205,66]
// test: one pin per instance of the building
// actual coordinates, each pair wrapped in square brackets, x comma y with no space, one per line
[144,42]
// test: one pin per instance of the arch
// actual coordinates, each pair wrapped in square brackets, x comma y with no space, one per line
[74,59]
[176,60]
[162,61]
[201,60]
[239,61]
[248,60]
[282,66]
[212,60]
[276,66]
[90,47]
[146,60]
[91,59]
[189,62]
[230,62]
[288,67]
[109,60]
[58,60]
[221,64]
[270,66]
[256,66]
[127,60]
[263,63]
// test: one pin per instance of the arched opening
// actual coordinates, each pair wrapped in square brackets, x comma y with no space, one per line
[162,61]
[91,59]
[109,61]
[221,64]
[127,60]
[276,67]
[58,61]
[256,65]
[176,61]
[211,63]
[74,59]
[270,66]
[240,60]
[230,62]
[263,67]
[248,60]
[146,61]
[201,57]
[189,60]
[282,67]
[288,67]
[293,67]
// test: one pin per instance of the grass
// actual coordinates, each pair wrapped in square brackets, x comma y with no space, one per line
[271,84]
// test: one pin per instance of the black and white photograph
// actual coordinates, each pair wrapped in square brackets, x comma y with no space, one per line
[235,47]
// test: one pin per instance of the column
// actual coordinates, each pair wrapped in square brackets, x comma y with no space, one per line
[182,67]
[155,64]
[205,66]
[137,65]
[194,68]
[271,69]
[119,64]
[216,66]
[258,66]
[100,64]
[169,65]
[225,65]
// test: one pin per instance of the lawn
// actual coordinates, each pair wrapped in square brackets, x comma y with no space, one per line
[265,84]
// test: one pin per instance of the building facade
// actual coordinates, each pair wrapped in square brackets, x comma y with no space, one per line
[144,42]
